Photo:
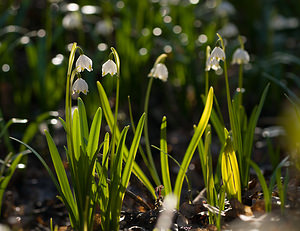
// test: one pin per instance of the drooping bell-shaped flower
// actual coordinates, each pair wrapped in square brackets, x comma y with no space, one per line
[109,67]
[240,56]
[212,64]
[159,71]
[84,62]
[80,86]
[218,54]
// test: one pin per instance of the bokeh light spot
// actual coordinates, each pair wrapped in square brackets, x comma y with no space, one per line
[157,31]
[5,67]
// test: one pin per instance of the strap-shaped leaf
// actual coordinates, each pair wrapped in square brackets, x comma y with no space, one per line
[60,172]
[193,144]
[263,184]
[117,168]
[93,140]
[117,205]
[230,171]
[76,134]
[4,182]
[116,172]
[83,120]
[70,207]
[248,140]
[110,121]
[164,157]
[132,153]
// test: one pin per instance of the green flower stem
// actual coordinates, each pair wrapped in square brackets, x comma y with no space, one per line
[233,124]
[240,86]
[133,129]
[240,83]
[152,169]
[206,83]
[115,121]
[206,71]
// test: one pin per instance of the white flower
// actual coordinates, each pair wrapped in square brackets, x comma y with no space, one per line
[159,71]
[84,62]
[80,86]
[212,64]
[217,53]
[109,67]
[240,56]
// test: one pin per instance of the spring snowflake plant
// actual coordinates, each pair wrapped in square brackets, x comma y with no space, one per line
[89,186]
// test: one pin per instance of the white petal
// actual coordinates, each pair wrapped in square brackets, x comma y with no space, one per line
[109,67]
[84,62]
[212,63]
[240,56]
[160,71]
[218,54]
[80,86]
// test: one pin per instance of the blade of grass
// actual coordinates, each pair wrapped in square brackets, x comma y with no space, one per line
[267,193]
[128,169]
[94,135]
[70,207]
[83,120]
[76,134]
[248,142]
[193,144]
[164,158]
[110,121]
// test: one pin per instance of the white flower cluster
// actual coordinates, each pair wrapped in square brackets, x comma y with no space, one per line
[84,62]
[80,85]
[240,56]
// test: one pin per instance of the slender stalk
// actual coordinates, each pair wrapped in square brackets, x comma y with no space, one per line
[240,86]
[206,83]
[133,129]
[234,128]
[115,121]
[152,169]
[206,71]
[240,83]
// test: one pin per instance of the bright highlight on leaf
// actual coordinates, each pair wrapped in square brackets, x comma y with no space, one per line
[230,170]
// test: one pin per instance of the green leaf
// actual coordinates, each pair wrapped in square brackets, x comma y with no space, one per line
[73,213]
[164,157]
[93,141]
[267,193]
[60,172]
[116,176]
[129,163]
[7,177]
[110,121]
[83,120]
[76,134]
[248,140]
[193,144]
[117,168]
[230,171]
[131,156]
[63,123]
